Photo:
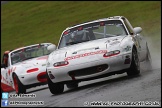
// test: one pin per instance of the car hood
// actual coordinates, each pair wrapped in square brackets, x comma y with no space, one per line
[86,51]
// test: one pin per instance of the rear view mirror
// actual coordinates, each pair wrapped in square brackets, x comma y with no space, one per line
[137,30]
[51,47]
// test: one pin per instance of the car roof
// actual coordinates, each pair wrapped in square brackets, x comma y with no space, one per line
[103,19]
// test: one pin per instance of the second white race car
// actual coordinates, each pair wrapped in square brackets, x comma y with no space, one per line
[24,67]
[96,49]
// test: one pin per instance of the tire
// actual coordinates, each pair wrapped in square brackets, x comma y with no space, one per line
[148,60]
[55,88]
[72,85]
[135,64]
[19,87]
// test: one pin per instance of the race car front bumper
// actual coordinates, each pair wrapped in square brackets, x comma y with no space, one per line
[89,69]
[33,78]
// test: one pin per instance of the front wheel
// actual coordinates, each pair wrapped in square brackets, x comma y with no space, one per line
[19,87]
[135,64]
[55,88]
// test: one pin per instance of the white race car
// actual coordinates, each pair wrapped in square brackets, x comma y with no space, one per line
[96,49]
[24,67]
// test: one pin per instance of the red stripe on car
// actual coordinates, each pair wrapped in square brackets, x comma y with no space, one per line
[9,71]
[85,54]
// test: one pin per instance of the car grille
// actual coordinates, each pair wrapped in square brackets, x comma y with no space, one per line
[88,71]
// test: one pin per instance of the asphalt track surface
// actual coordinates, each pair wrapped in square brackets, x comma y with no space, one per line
[120,89]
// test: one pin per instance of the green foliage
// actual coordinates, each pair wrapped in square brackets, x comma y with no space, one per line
[30,22]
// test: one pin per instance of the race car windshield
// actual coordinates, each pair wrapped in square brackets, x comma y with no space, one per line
[29,53]
[92,31]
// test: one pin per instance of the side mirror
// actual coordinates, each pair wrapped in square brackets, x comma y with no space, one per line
[137,30]
[3,66]
[51,47]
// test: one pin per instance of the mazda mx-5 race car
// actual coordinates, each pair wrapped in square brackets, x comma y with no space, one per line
[96,49]
[24,67]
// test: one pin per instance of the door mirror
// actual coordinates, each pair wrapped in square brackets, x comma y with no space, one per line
[137,30]
[51,47]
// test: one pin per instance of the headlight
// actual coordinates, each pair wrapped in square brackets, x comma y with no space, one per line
[111,53]
[62,63]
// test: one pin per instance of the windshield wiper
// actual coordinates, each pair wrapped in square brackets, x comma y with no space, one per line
[71,43]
